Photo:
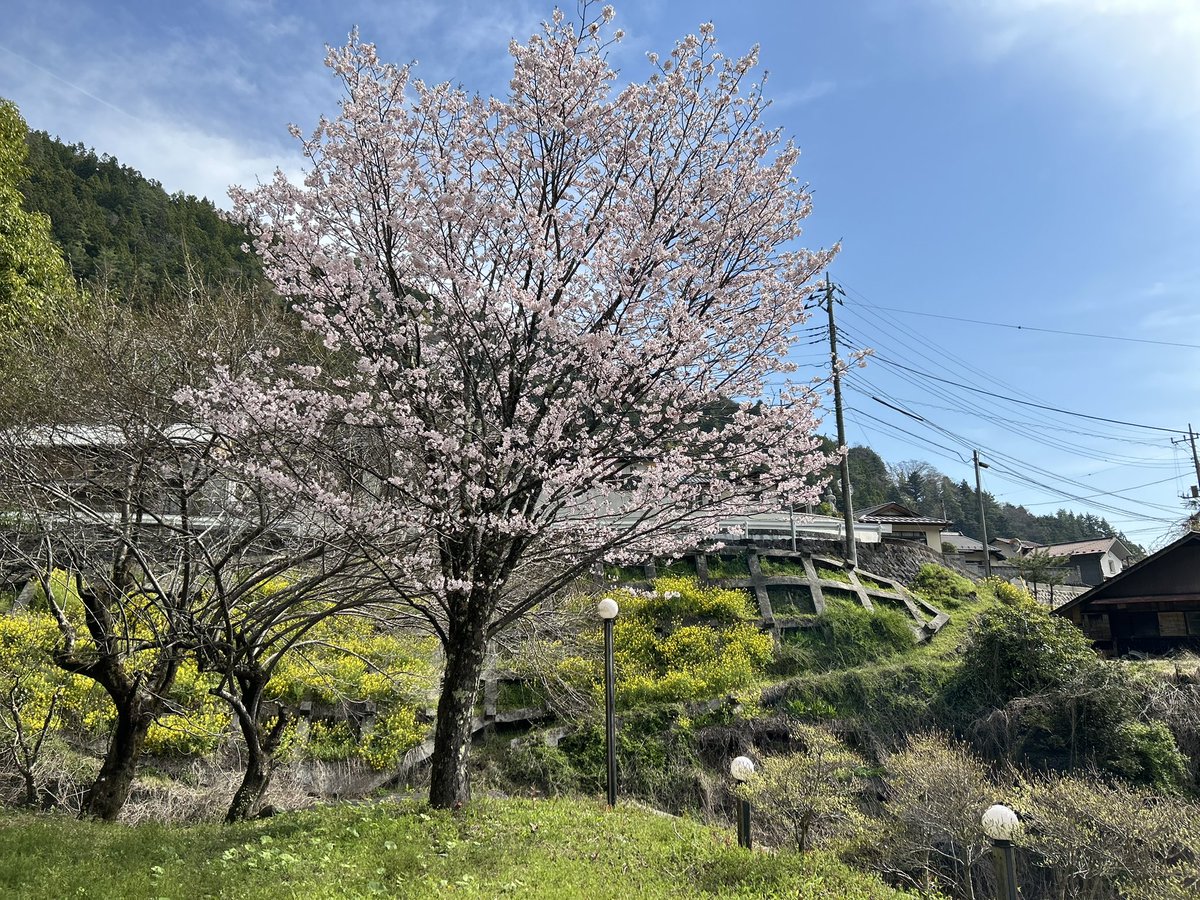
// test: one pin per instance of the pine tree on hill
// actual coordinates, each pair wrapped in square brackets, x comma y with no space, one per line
[925,490]
[125,231]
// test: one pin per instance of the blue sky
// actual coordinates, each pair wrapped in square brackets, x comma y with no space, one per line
[1024,162]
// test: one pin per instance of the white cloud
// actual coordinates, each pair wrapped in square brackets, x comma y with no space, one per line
[144,132]
[195,161]
[814,90]
[1140,56]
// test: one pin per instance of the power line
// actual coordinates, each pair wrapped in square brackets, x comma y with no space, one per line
[1087,334]
[1011,460]
[1065,412]
[893,333]
[1040,432]
[1105,493]
[971,408]
[893,325]
[1007,474]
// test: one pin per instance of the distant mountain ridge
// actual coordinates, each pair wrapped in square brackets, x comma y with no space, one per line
[923,489]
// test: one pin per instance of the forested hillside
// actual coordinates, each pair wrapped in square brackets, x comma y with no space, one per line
[922,488]
[117,227]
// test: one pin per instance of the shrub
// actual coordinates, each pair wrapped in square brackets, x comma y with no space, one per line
[349,659]
[681,642]
[549,769]
[1146,753]
[942,587]
[808,796]
[931,829]
[656,760]
[395,733]
[851,635]
[1019,650]
[1006,592]
[1097,840]
[893,699]
[27,642]
[198,723]
[1031,689]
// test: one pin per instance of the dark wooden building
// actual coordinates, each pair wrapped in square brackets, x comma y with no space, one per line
[1151,607]
[1096,560]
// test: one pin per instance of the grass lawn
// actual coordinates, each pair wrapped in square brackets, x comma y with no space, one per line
[496,848]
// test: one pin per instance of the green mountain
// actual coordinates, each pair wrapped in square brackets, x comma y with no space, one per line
[924,489]
[122,230]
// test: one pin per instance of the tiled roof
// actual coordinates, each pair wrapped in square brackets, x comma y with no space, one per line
[1080,548]
[1106,587]
[961,541]
[895,514]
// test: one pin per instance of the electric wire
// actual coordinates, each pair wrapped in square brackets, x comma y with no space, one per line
[1044,420]
[1085,334]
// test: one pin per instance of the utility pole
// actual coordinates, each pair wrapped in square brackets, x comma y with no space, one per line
[847,503]
[1195,458]
[987,554]
[1195,491]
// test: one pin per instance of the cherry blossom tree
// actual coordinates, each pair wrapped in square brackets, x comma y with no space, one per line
[539,306]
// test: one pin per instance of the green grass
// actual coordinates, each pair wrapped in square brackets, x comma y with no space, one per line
[542,848]
[829,574]
[624,574]
[781,565]
[684,566]
[871,584]
[832,594]
[895,695]
[518,695]
[728,567]
[788,601]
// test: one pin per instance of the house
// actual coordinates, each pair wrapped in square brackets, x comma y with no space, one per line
[906,524]
[969,550]
[1096,560]
[1153,606]
[103,473]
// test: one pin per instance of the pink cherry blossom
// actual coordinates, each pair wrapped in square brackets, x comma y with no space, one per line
[551,318]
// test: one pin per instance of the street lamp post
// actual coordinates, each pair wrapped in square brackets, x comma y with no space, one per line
[1002,825]
[608,609]
[742,768]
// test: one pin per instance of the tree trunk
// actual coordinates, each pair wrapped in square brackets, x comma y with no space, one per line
[260,753]
[31,791]
[255,782]
[450,786]
[107,794]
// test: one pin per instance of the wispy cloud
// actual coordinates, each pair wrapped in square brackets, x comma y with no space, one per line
[798,96]
[1142,57]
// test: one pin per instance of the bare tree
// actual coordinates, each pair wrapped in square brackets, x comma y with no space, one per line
[25,737]
[1039,567]
[104,476]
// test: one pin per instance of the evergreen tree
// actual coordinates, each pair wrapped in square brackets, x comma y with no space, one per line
[34,280]
[125,231]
